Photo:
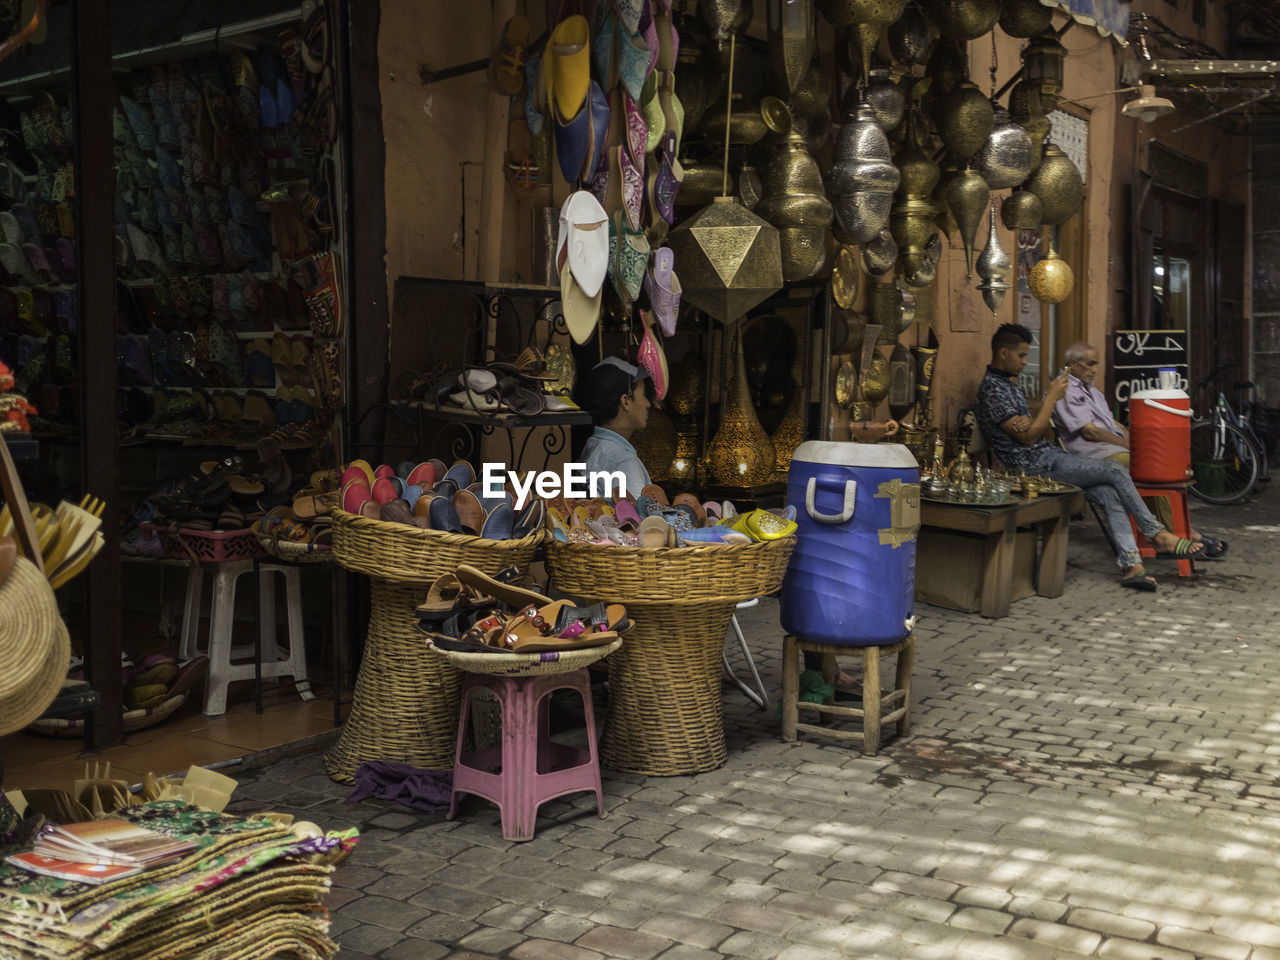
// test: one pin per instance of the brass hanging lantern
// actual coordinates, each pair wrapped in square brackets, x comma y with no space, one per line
[1025,18]
[702,183]
[965,120]
[740,453]
[1021,210]
[1042,65]
[888,100]
[1051,279]
[726,18]
[866,18]
[912,36]
[729,258]
[1005,159]
[791,40]
[919,268]
[750,187]
[967,196]
[919,170]
[993,267]
[791,430]
[912,223]
[745,127]
[963,20]
[862,178]
[1058,184]
[902,382]
[794,201]
[684,463]
[813,92]
[879,253]
[699,73]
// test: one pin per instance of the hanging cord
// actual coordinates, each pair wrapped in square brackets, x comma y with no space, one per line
[995,64]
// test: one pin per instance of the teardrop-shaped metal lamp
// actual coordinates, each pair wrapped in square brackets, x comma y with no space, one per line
[993,267]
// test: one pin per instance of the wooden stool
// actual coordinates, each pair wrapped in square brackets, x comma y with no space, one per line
[528,768]
[874,701]
[1176,494]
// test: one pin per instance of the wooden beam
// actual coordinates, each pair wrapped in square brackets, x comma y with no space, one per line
[493,197]
[95,254]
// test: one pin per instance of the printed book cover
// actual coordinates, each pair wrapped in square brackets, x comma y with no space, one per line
[110,841]
[71,869]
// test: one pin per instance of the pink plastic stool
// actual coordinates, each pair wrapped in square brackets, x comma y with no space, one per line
[531,768]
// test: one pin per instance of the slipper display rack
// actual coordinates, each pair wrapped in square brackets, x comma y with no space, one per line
[405,706]
[490,322]
[665,713]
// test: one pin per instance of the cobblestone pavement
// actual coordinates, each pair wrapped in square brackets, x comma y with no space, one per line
[1093,775]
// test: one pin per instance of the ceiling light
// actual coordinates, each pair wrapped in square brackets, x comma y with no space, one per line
[1147,106]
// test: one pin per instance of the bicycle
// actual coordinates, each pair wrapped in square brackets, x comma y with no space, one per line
[1227,457]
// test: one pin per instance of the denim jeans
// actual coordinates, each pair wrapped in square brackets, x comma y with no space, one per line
[1107,484]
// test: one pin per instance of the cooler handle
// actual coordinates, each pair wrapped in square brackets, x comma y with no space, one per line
[1174,410]
[910,623]
[850,494]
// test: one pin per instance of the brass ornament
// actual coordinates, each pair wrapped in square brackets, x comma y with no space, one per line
[902,382]
[1005,159]
[848,329]
[993,267]
[965,119]
[750,187]
[702,183]
[888,100]
[776,115]
[893,307]
[919,268]
[912,36]
[879,253]
[747,125]
[794,201]
[1021,210]
[1026,102]
[875,379]
[812,95]
[844,279]
[1059,186]
[725,17]
[926,361]
[792,42]
[740,453]
[862,178]
[967,197]
[862,411]
[1037,129]
[865,18]
[912,223]
[919,170]
[729,258]
[688,384]
[790,432]
[1042,66]
[1025,18]
[846,388]
[560,364]
[1051,279]
[962,19]
[684,464]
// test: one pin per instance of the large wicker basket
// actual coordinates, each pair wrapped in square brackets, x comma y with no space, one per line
[399,553]
[405,706]
[665,715]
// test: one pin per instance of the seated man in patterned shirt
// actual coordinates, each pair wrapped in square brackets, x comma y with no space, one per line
[1087,429]
[1019,440]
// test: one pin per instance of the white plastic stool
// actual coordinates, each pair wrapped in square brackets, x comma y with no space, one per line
[222,671]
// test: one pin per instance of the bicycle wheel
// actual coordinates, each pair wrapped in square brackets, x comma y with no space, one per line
[1224,461]
[1260,449]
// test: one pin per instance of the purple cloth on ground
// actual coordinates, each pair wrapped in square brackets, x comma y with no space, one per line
[428,790]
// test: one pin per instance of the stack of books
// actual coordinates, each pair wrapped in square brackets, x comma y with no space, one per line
[96,851]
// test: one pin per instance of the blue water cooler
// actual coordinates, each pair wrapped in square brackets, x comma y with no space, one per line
[852,577]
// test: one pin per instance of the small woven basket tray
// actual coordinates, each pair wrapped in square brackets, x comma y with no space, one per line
[399,553]
[131,721]
[526,664]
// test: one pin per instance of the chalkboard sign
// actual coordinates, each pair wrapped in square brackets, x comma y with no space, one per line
[1138,357]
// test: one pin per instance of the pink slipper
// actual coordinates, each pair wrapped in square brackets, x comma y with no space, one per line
[652,357]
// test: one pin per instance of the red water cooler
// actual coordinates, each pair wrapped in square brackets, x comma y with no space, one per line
[1159,436]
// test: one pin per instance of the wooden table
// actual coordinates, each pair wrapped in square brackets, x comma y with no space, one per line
[1050,516]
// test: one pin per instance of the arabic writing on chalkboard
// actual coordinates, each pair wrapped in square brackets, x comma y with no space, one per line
[1139,355]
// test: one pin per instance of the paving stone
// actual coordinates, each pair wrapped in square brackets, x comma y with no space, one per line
[684,951]
[490,940]
[414,948]
[749,945]
[687,930]
[1206,944]
[550,950]
[1116,948]
[1068,938]
[624,944]
[978,918]
[392,914]
[370,939]
[1111,925]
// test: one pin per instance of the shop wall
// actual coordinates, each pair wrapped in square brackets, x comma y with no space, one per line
[1266,263]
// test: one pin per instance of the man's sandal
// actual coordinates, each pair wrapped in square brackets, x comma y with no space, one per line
[1183,550]
[1140,581]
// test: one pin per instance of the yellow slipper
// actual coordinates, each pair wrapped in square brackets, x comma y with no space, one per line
[581,313]
[763,525]
[570,76]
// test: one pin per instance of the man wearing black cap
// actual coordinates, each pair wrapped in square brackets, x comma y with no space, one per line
[616,395]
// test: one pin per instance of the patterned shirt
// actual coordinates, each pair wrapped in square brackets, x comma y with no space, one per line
[1082,405]
[999,399]
[606,451]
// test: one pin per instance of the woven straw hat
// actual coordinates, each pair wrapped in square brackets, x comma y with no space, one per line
[35,648]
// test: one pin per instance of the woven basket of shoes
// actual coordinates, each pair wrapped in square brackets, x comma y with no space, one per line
[524,664]
[399,553]
[665,715]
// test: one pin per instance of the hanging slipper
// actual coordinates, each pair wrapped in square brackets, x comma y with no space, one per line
[506,66]
[653,357]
